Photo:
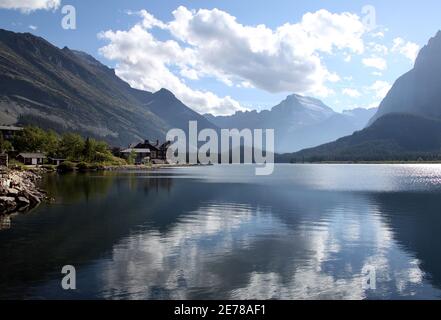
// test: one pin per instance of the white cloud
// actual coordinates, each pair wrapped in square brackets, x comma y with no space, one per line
[144,61]
[245,84]
[374,104]
[284,59]
[380,89]
[333,77]
[378,48]
[347,58]
[379,34]
[408,49]
[27,6]
[212,43]
[375,62]
[353,93]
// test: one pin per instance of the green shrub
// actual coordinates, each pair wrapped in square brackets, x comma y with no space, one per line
[16,165]
[113,161]
[66,166]
[83,166]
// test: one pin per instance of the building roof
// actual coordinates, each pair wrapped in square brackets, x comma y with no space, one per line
[165,145]
[10,128]
[136,150]
[31,155]
[146,145]
[156,147]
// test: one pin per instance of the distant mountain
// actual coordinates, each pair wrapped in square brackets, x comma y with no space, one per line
[392,137]
[407,125]
[68,90]
[360,117]
[299,122]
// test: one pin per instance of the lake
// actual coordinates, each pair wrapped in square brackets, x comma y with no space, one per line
[220,232]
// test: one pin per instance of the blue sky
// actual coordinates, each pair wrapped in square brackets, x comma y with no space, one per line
[220,61]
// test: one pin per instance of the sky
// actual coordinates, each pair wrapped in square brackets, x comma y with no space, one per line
[225,56]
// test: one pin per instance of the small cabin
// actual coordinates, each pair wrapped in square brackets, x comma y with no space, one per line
[8,132]
[31,158]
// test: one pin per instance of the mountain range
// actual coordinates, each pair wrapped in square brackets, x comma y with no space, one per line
[68,90]
[407,125]
[298,122]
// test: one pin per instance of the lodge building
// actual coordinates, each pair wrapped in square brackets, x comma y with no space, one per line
[8,132]
[148,152]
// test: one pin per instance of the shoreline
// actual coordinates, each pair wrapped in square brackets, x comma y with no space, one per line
[19,191]
[151,167]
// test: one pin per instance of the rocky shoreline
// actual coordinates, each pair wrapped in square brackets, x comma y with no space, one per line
[19,191]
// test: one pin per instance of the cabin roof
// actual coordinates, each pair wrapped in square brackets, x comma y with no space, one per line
[146,145]
[30,155]
[10,128]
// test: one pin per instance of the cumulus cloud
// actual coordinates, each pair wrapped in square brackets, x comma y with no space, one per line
[27,6]
[379,34]
[284,59]
[353,93]
[145,63]
[380,89]
[378,48]
[408,49]
[347,58]
[213,44]
[375,62]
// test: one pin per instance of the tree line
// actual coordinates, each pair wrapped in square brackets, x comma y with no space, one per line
[69,146]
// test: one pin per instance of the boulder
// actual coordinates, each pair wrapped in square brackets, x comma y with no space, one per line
[7,204]
[7,199]
[12,192]
[23,201]
[18,191]
[33,198]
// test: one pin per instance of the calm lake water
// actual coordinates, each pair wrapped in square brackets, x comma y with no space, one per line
[306,232]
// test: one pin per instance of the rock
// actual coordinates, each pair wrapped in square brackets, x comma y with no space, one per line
[5,182]
[33,198]
[23,200]
[18,191]
[7,199]
[12,192]
[7,204]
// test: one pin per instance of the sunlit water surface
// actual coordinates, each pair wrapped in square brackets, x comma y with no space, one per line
[220,232]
